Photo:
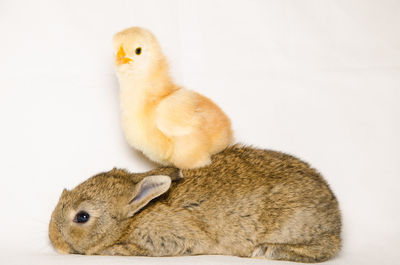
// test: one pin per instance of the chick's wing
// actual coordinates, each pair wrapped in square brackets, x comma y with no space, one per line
[178,115]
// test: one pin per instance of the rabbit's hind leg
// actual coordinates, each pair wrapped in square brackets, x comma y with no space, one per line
[311,252]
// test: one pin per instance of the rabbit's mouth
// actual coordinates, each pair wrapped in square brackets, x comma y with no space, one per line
[58,241]
[72,250]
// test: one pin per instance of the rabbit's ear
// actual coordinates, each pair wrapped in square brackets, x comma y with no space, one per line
[146,190]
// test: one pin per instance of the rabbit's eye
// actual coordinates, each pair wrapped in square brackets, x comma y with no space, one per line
[81,217]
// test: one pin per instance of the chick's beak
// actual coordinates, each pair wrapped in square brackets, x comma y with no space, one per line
[121,57]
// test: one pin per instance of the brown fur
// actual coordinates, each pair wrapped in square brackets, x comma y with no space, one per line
[248,202]
[169,124]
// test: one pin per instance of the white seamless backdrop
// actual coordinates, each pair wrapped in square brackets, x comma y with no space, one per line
[316,79]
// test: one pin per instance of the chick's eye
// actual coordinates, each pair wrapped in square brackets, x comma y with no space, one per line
[138,51]
[81,217]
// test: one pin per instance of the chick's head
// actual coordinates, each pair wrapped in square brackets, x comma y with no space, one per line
[136,51]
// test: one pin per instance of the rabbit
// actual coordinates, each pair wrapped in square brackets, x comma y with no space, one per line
[168,123]
[248,202]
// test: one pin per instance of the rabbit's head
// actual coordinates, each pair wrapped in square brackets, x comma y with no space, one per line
[96,212]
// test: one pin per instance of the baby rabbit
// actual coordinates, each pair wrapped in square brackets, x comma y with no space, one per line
[169,124]
[247,202]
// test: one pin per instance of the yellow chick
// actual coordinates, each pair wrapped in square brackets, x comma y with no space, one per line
[168,123]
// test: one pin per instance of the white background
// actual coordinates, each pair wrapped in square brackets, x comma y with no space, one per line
[317,79]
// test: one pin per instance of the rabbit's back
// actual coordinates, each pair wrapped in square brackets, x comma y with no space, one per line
[238,173]
[251,197]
